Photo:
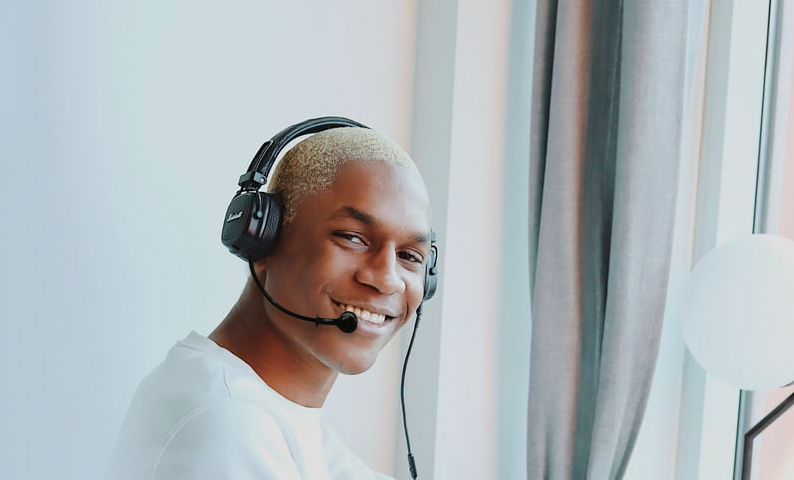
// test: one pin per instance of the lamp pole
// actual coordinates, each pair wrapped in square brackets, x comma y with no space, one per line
[747,453]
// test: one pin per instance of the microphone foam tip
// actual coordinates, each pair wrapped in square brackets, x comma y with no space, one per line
[347,322]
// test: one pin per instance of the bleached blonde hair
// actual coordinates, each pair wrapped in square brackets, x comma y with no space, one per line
[310,167]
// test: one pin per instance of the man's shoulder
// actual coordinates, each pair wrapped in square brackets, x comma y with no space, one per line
[196,393]
[196,373]
[230,435]
[229,423]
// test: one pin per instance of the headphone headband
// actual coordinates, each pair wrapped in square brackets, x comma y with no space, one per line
[265,157]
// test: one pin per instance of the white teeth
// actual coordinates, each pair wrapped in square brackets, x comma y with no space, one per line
[366,315]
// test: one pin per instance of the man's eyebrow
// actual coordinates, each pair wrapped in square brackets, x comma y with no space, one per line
[422,238]
[356,214]
[370,221]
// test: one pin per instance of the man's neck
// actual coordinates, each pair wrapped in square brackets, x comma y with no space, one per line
[247,333]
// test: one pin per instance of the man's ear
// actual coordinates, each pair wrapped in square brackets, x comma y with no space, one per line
[260,266]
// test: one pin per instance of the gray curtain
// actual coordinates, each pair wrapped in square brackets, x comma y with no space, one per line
[608,98]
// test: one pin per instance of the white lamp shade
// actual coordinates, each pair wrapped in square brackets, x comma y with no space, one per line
[737,312]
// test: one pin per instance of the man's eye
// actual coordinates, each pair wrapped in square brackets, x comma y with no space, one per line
[411,257]
[350,237]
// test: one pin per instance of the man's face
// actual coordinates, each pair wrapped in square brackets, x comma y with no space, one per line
[361,244]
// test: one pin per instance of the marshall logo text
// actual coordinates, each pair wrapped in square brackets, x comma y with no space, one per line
[234,216]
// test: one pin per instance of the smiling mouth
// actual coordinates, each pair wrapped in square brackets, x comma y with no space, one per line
[366,315]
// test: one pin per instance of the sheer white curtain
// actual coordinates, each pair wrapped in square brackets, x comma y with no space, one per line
[608,98]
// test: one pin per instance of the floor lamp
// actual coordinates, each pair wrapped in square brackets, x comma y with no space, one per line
[737,318]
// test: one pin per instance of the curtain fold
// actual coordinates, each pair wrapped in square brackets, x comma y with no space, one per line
[608,98]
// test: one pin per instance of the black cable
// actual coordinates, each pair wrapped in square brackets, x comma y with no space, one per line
[411,462]
[256,279]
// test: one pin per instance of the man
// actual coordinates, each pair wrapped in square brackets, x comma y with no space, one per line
[245,402]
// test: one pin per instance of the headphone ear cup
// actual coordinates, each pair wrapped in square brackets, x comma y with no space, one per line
[431,275]
[251,226]
[270,211]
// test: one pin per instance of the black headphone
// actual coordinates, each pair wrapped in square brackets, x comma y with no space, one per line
[253,219]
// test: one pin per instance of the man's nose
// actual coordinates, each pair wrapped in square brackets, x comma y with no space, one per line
[381,272]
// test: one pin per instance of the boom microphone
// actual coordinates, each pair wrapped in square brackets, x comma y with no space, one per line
[347,322]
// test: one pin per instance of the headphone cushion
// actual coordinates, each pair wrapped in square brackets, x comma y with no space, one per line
[269,211]
[431,275]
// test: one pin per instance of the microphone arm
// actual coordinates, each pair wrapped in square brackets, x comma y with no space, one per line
[347,322]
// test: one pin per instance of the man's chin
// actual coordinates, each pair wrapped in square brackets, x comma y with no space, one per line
[355,366]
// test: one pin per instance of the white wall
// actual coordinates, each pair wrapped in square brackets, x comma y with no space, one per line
[467,442]
[124,126]
[471,117]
